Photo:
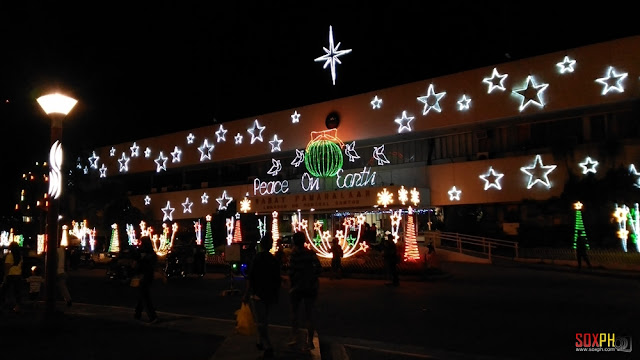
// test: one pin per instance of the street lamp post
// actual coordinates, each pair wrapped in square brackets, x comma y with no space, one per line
[57,106]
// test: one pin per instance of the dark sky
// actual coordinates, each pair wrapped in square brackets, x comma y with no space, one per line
[141,71]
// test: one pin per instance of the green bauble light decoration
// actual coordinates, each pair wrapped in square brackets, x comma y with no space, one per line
[323,155]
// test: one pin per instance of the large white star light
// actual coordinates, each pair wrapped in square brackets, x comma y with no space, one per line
[205,150]
[331,55]
[147,200]
[431,100]
[454,194]
[566,65]
[275,143]
[464,103]
[612,81]
[186,206]
[295,117]
[530,93]
[376,103]
[223,201]
[93,160]
[161,162]
[495,81]
[404,122]
[167,212]
[175,154]
[538,173]
[135,149]
[256,132]
[492,179]
[221,134]
[124,163]
[103,171]
[588,166]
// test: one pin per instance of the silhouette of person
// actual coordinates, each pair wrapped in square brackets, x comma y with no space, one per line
[146,262]
[336,260]
[390,254]
[581,251]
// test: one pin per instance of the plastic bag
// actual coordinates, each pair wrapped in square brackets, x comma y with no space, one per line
[245,324]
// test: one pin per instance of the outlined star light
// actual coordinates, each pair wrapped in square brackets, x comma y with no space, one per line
[204,198]
[495,81]
[176,154]
[454,194]
[167,212]
[147,152]
[221,134]
[124,163]
[634,172]
[275,143]
[431,100]
[588,166]
[538,173]
[223,201]
[238,138]
[103,171]
[190,138]
[147,200]
[566,65]
[112,151]
[612,81]
[464,103]
[295,117]
[404,122]
[93,160]
[331,55]
[376,103]
[186,206]
[161,161]
[492,179]
[134,150]
[531,93]
[256,128]
[205,150]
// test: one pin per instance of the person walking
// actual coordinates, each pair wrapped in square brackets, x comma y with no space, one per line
[262,292]
[304,269]
[62,276]
[336,260]
[12,282]
[145,266]
[35,284]
[581,251]
[390,255]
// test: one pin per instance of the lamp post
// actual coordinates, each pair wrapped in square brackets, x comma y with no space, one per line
[56,106]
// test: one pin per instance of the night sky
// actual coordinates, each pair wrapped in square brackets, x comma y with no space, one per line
[141,71]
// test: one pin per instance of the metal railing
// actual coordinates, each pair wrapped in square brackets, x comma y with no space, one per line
[473,245]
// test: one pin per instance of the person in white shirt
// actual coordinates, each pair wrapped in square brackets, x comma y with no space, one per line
[62,276]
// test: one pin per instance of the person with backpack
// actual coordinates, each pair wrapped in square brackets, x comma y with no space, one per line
[304,270]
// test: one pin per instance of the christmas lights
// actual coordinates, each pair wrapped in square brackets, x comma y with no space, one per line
[331,55]
[223,201]
[566,65]
[147,200]
[275,143]
[495,81]
[221,134]
[124,163]
[186,206]
[190,138]
[147,152]
[175,155]
[167,212]
[256,131]
[208,237]
[204,198]
[276,166]
[161,162]
[93,160]
[205,150]
[612,81]
[114,244]
[134,150]
[411,252]
[350,151]
[588,166]
[492,179]
[431,100]
[378,154]
[534,169]
[454,194]
[530,93]
[464,103]
[323,154]
[295,118]
[385,197]
[238,138]
[103,171]
[404,122]
[299,159]
[376,103]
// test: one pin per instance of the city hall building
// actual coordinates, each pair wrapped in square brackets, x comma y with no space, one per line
[490,141]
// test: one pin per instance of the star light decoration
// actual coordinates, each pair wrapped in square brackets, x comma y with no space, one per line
[495,81]
[492,179]
[566,65]
[238,138]
[634,172]
[93,160]
[223,201]
[588,166]
[112,151]
[161,162]
[385,197]
[299,159]
[538,173]
[531,93]
[376,103]
[350,151]
[431,100]
[245,205]
[331,55]
[404,122]
[190,138]
[134,150]
[167,212]
[221,134]
[175,154]
[295,117]
[147,200]
[256,131]
[276,166]
[464,103]
[454,194]
[147,152]
[204,198]
[205,150]
[103,171]
[612,81]
[124,163]
[186,206]
[275,143]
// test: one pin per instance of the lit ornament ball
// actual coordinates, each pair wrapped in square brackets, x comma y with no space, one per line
[323,158]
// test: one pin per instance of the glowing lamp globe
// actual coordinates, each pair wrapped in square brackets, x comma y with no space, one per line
[56,103]
[323,155]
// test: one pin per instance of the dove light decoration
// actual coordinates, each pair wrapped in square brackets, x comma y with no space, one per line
[323,155]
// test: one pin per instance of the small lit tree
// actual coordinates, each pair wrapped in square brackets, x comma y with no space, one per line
[208,237]
[114,245]
[411,252]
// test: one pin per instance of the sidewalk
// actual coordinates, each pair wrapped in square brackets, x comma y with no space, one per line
[86,331]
